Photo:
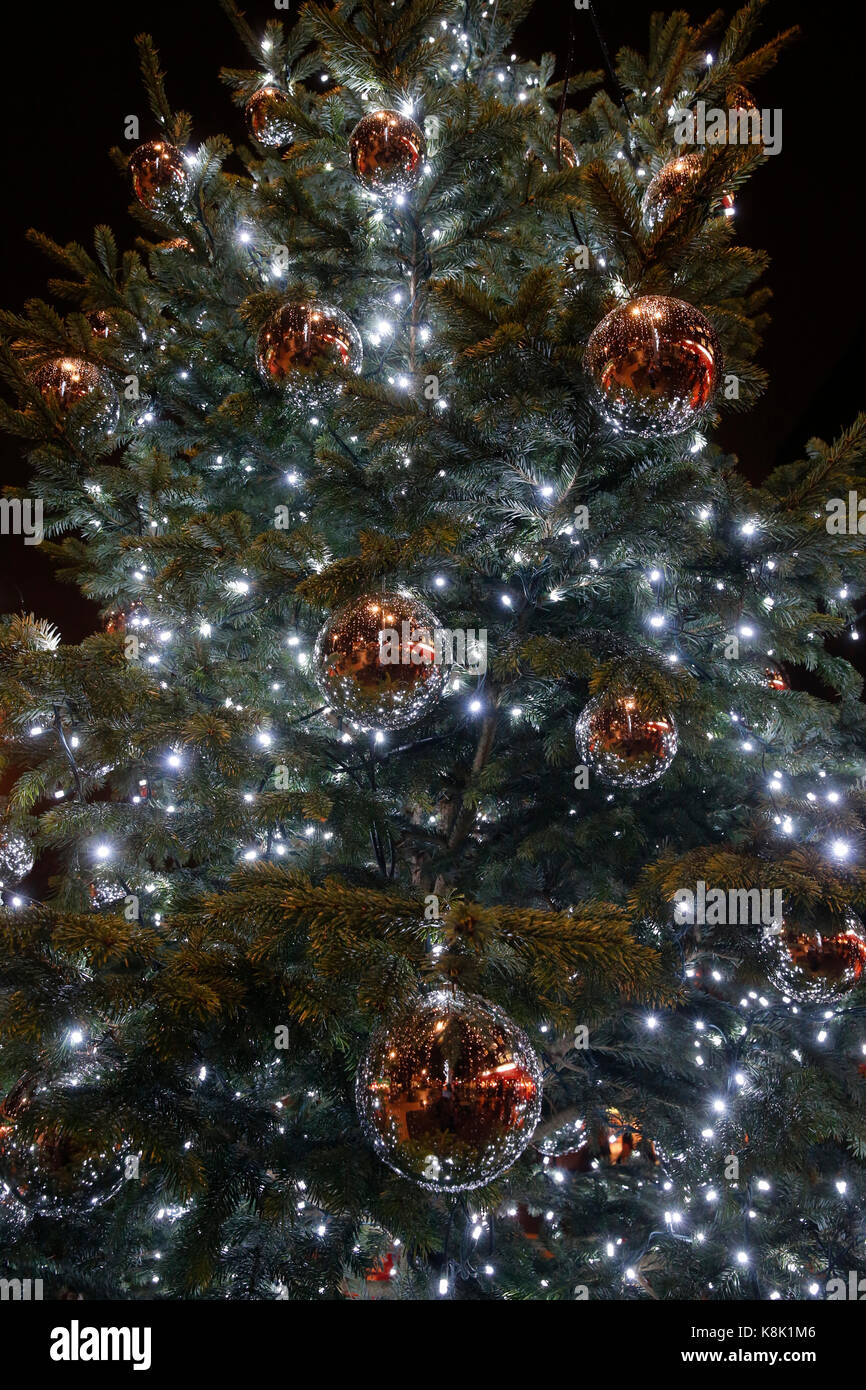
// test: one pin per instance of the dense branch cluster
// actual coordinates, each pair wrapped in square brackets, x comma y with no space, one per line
[234,883]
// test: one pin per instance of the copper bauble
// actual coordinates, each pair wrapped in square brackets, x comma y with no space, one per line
[379,1281]
[671,181]
[301,342]
[378,662]
[563,155]
[158,175]
[739,98]
[628,743]
[749,125]
[100,323]
[268,118]
[619,1137]
[449,1092]
[70,380]
[776,679]
[655,364]
[816,961]
[387,152]
[567,154]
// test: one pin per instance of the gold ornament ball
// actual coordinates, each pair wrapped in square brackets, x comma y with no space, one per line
[387,152]
[70,380]
[654,365]
[377,661]
[626,742]
[816,961]
[268,118]
[449,1092]
[158,175]
[300,343]
[671,181]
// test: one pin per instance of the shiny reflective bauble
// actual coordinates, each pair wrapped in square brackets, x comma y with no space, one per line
[739,98]
[387,152]
[119,619]
[749,123]
[449,1092]
[380,1281]
[564,1140]
[115,621]
[100,323]
[627,744]
[813,966]
[105,892]
[722,127]
[612,1143]
[16,858]
[70,380]
[567,153]
[671,182]
[67,380]
[565,157]
[301,342]
[654,366]
[776,679]
[377,661]
[620,1137]
[268,118]
[158,175]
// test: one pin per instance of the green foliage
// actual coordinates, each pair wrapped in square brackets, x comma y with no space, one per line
[233,884]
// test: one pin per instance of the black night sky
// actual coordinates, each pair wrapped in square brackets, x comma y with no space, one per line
[77,78]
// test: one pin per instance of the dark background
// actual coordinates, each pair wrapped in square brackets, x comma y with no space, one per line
[75,78]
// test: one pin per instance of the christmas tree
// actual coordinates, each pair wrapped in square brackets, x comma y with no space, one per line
[439,876]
